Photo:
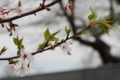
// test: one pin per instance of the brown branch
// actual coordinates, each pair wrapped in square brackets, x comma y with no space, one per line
[49,48]
[30,12]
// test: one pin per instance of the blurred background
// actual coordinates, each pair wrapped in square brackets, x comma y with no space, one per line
[90,50]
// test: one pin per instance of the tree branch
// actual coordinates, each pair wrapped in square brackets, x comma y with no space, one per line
[30,12]
[49,48]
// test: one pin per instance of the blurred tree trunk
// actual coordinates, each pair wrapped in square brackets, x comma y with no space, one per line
[99,45]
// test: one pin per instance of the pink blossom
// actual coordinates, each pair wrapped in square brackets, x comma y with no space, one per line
[25,55]
[25,68]
[65,47]
[11,68]
[22,70]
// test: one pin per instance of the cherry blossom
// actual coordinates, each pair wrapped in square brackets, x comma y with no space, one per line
[23,69]
[25,55]
[65,47]
[30,69]
[25,65]
[4,10]
[11,68]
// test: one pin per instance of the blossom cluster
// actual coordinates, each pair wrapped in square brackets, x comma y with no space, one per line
[24,64]
[5,14]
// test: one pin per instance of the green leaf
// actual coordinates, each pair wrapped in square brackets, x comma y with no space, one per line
[20,41]
[20,46]
[3,50]
[104,29]
[11,61]
[47,34]
[67,31]
[19,3]
[90,17]
[81,33]
[106,25]
[93,15]
[108,17]
[56,39]
[53,39]
[15,41]
[16,25]
[18,52]
[41,46]
[55,33]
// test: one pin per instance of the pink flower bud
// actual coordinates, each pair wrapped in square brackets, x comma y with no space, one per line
[69,6]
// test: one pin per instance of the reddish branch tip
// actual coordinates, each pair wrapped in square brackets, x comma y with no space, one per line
[65,8]
[53,48]
[48,9]
[69,53]
[69,6]
[10,34]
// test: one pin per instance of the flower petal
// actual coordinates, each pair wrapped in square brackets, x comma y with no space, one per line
[22,51]
[22,72]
